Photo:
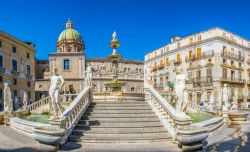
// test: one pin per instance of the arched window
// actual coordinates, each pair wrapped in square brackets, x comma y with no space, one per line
[66,64]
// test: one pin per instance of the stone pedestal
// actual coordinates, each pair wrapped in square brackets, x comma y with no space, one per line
[225,117]
[7,116]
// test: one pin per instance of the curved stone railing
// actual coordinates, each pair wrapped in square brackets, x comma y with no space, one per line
[39,103]
[165,111]
[76,109]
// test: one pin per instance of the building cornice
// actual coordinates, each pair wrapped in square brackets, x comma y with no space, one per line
[18,41]
[199,43]
[67,54]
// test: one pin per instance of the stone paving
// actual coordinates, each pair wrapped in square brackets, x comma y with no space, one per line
[14,141]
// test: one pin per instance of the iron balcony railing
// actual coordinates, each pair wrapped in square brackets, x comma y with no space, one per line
[203,81]
[233,57]
[232,79]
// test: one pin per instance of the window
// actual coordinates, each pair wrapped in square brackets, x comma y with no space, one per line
[40,86]
[224,61]
[155,54]
[239,75]
[14,65]
[198,74]
[0,43]
[161,62]
[167,61]
[28,84]
[232,62]
[199,38]
[28,55]
[178,44]
[209,72]
[66,64]
[14,49]
[14,81]
[232,75]
[178,58]
[28,69]
[190,75]
[190,40]
[224,73]
[240,65]
[1,79]
[132,89]
[198,53]
[190,55]
[1,61]
[209,60]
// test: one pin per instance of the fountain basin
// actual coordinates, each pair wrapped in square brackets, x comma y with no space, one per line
[48,137]
[191,138]
[40,118]
[237,117]
[115,86]
[199,117]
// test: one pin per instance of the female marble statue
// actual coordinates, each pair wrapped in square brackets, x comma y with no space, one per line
[25,100]
[180,89]
[56,84]
[225,98]
[8,103]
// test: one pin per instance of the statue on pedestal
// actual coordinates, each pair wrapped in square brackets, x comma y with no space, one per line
[235,101]
[225,106]
[25,100]
[148,75]
[56,84]
[182,97]
[8,103]
[89,74]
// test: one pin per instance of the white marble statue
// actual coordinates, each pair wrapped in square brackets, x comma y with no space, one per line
[89,74]
[148,74]
[8,103]
[25,100]
[56,84]
[235,101]
[114,36]
[225,104]
[211,103]
[180,89]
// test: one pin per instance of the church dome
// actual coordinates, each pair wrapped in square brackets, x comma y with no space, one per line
[69,33]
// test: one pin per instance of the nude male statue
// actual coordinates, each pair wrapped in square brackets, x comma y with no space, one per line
[56,84]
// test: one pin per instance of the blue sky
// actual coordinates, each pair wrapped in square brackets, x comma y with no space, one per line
[141,25]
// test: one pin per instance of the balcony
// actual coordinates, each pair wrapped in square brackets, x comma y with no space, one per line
[205,55]
[29,76]
[203,81]
[160,66]
[14,72]
[232,57]
[2,70]
[177,63]
[233,80]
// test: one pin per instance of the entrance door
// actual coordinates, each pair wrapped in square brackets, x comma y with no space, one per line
[198,98]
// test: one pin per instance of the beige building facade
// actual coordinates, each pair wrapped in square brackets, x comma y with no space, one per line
[210,59]
[17,67]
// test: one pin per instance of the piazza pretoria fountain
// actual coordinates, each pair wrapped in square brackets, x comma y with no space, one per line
[60,119]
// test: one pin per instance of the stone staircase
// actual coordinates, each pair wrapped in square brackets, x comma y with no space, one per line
[119,122]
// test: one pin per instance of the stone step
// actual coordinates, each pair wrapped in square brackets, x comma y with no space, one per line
[130,115]
[135,111]
[119,103]
[119,130]
[121,108]
[121,138]
[121,125]
[120,120]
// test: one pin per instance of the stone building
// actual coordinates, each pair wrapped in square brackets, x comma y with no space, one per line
[70,60]
[17,67]
[210,59]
